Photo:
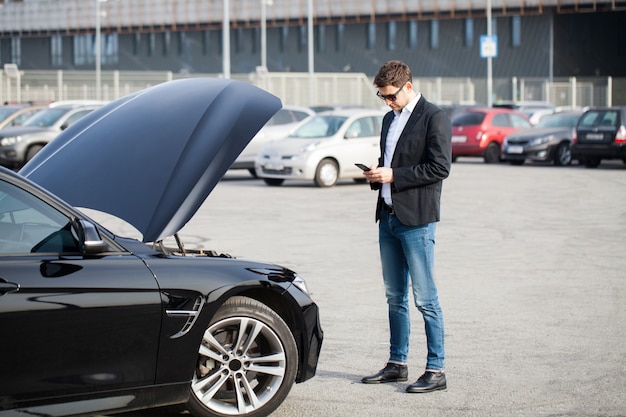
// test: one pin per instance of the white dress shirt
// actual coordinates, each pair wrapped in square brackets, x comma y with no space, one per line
[395,129]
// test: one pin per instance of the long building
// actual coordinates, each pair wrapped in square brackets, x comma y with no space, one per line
[543,39]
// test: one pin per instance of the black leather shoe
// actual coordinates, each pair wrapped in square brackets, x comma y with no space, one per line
[390,373]
[430,381]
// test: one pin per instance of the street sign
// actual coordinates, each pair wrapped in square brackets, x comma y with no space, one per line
[488,46]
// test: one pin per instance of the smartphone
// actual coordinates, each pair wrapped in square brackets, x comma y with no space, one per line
[363,167]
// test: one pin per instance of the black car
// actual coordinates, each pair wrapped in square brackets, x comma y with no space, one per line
[94,323]
[600,134]
[547,141]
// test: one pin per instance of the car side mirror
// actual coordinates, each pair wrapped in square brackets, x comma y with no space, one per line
[90,237]
[351,135]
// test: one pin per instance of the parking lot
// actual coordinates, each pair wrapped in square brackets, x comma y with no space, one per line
[531,268]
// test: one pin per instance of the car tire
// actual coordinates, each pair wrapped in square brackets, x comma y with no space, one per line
[492,153]
[327,173]
[31,152]
[240,375]
[591,162]
[563,155]
[274,182]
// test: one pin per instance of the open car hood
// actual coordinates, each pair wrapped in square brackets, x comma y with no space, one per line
[151,158]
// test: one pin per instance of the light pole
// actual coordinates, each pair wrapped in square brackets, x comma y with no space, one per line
[226,39]
[264,4]
[98,51]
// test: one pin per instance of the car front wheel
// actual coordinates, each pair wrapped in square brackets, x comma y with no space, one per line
[563,155]
[247,362]
[327,173]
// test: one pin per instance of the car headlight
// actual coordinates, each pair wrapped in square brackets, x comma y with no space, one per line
[540,141]
[309,147]
[298,281]
[11,140]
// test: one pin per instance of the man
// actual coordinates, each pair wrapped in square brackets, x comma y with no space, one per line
[415,159]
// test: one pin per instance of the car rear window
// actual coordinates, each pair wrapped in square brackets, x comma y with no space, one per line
[468,119]
[599,118]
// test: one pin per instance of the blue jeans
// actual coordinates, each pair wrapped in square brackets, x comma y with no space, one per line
[407,257]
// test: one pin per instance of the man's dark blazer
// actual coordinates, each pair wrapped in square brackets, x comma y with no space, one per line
[420,163]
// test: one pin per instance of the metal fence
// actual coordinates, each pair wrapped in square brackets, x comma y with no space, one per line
[316,88]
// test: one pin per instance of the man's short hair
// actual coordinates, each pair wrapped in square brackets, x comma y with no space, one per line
[393,72]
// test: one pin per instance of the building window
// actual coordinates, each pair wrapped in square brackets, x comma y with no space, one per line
[206,41]
[516,31]
[434,34]
[321,38]
[137,44]
[167,38]
[84,49]
[284,35]
[412,32]
[391,36]
[341,32]
[469,32]
[302,37]
[256,40]
[182,40]
[16,51]
[239,40]
[110,49]
[371,35]
[56,50]
[152,44]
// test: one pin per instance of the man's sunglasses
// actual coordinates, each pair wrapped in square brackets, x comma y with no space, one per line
[390,97]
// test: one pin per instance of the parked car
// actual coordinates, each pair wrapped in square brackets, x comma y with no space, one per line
[277,127]
[130,324]
[533,109]
[324,148]
[548,141]
[19,144]
[481,131]
[600,134]
[16,114]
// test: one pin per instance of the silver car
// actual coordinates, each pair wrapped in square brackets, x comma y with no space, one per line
[324,149]
[278,126]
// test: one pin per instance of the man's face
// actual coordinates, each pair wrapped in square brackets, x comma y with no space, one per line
[396,97]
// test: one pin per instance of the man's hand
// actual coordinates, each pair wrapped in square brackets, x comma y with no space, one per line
[380,174]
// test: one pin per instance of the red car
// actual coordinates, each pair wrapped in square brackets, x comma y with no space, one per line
[481,131]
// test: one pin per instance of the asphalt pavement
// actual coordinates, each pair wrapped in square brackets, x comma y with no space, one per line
[531,269]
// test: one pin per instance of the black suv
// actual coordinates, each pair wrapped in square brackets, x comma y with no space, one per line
[600,134]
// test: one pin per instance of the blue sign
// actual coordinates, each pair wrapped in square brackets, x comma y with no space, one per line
[488,46]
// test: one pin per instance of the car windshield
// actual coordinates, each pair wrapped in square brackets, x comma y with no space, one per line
[45,118]
[319,127]
[6,112]
[558,120]
[599,118]
[468,119]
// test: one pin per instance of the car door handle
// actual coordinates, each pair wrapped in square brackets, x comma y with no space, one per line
[7,287]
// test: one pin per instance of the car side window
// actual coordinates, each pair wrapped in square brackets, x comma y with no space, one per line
[501,120]
[75,117]
[519,121]
[28,225]
[361,128]
[299,115]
